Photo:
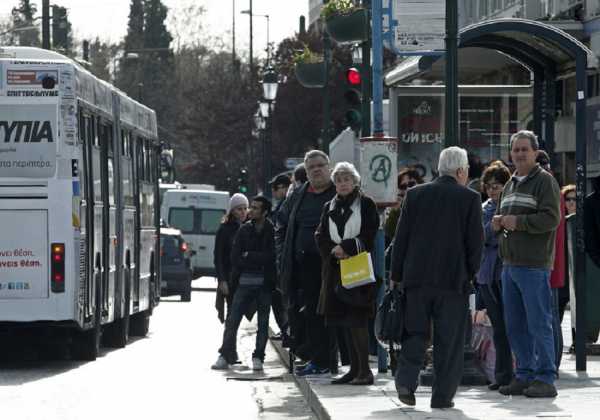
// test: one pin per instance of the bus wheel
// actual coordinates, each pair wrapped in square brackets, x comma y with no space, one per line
[117,334]
[140,324]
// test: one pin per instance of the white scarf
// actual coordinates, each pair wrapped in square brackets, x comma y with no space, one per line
[352,226]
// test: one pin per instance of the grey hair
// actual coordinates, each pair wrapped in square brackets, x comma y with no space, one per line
[451,159]
[525,134]
[315,153]
[345,168]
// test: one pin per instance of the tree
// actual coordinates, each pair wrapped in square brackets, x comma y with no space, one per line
[129,74]
[62,34]
[23,16]
[101,56]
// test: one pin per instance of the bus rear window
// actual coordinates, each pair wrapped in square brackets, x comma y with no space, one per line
[210,221]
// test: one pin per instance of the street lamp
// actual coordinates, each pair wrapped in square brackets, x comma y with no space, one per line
[270,83]
[249,13]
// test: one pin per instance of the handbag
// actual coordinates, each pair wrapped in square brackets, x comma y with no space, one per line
[357,271]
[389,319]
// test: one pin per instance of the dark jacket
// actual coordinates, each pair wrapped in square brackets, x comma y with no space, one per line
[439,238]
[284,238]
[222,261]
[592,226]
[491,264]
[253,252]
[336,311]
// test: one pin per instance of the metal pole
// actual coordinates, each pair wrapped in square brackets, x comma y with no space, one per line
[366,83]
[268,46]
[233,35]
[451,137]
[581,179]
[325,137]
[268,137]
[46,24]
[377,34]
[251,53]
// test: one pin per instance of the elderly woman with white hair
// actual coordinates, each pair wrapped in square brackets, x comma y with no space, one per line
[348,226]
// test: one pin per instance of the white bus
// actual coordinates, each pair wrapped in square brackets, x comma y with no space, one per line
[79,211]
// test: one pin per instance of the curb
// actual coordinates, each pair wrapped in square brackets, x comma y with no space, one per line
[309,395]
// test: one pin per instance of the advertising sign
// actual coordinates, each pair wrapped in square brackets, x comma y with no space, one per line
[421,25]
[28,141]
[379,169]
[23,254]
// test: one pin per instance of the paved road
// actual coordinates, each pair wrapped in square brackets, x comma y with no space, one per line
[166,375]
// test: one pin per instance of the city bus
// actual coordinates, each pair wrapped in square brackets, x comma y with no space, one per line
[79,208]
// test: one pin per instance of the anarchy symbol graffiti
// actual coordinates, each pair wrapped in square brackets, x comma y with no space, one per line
[380,168]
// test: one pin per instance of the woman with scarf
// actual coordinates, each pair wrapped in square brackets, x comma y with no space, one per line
[348,226]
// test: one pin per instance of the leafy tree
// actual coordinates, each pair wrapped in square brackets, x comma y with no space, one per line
[101,57]
[23,16]
[130,73]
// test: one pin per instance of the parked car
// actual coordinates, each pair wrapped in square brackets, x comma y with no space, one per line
[175,264]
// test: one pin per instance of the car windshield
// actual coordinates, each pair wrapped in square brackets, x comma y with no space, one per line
[196,221]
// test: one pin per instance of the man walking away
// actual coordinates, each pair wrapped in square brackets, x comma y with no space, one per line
[436,254]
[527,218]
[253,262]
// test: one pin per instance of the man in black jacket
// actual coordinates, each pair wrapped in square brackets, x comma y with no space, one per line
[253,263]
[437,252]
[592,222]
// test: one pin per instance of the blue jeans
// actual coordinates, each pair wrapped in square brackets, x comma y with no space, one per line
[528,315]
[243,299]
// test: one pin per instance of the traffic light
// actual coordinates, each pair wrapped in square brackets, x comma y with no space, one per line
[60,28]
[353,97]
[243,181]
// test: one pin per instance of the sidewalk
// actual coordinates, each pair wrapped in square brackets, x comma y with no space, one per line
[578,397]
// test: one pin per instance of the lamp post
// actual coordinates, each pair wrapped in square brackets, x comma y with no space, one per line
[270,83]
[249,13]
[252,15]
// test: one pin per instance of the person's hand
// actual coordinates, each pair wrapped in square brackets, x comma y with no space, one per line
[509,223]
[339,253]
[224,288]
[497,223]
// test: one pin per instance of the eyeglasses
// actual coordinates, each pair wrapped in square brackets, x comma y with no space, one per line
[570,199]
[405,186]
[494,186]
[316,166]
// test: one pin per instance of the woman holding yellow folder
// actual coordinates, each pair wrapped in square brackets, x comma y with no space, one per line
[348,226]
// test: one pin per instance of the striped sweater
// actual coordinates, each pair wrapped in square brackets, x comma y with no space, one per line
[535,200]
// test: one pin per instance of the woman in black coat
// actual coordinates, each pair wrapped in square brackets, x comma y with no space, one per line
[238,211]
[348,226]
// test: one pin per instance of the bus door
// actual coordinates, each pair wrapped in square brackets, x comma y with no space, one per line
[138,155]
[109,234]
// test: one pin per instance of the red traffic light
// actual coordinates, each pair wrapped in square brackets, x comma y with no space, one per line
[353,76]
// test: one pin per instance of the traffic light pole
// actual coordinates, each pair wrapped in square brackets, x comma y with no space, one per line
[46,24]
[366,81]
[451,137]
[325,136]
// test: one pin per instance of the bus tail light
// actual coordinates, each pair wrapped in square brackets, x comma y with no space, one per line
[57,267]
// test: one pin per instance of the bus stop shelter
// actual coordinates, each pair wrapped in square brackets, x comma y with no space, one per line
[547,52]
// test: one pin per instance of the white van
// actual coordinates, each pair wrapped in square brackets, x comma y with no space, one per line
[198,214]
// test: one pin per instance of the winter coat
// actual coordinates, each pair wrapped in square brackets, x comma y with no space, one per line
[336,311]
[557,276]
[491,263]
[222,262]
[592,226]
[439,239]
[285,238]
[253,252]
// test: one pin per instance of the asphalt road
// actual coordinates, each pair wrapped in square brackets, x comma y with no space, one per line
[165,375]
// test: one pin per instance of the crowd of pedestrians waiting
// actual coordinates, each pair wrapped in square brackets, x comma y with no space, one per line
[496,230]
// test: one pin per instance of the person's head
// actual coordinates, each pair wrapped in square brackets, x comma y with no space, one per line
[569,193]
[238,207]
[454,162]
[299,176]
[523,151]
[408,178]
[493,179]
[279,186]
[543,159]
[345,177]
[260,207]
[316,164]
[475,165]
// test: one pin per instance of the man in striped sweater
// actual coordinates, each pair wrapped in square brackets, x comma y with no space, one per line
[526,220]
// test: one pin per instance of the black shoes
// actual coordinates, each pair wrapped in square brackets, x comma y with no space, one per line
[516,387]
[494,387]
[442,404]
[406,396]
[363,380]
[539,389]
[347,378]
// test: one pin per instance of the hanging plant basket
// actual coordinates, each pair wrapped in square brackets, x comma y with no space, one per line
[350,27]
[311,75]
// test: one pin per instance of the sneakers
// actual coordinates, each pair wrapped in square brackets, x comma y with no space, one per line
[311,370]
[539,389]
[257,364]
[220,364]
[516,387]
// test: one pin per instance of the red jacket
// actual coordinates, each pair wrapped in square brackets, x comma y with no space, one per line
[557,277]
